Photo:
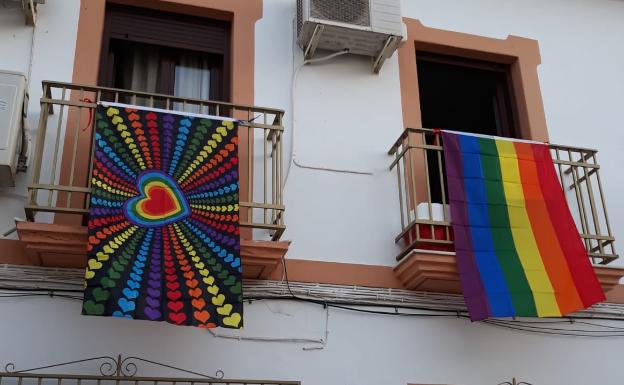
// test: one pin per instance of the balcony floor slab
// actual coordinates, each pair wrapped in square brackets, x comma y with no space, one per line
[56,245]
[436,271]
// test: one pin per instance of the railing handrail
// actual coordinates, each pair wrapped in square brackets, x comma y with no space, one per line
[67,191]
[577,171]
[397,143]
[92,88]
[137,379]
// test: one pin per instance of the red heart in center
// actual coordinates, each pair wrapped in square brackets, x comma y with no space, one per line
[159,203]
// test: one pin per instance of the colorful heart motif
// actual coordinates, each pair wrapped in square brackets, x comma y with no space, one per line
[151,254]
[160,201]
[232,320]
[92,308]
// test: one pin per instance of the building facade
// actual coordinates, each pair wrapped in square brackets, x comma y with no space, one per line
[369,261]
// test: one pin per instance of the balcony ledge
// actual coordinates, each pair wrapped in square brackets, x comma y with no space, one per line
[436,271]
[54,245]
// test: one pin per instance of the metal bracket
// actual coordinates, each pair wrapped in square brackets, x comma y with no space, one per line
[383,54]
[314,41]
[30,11]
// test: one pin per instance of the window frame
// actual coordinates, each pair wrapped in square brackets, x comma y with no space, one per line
[154,27]
[504,86]
[521,54]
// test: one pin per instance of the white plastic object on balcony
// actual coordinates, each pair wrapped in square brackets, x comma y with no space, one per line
[363,27]
[439,212]
[12,98]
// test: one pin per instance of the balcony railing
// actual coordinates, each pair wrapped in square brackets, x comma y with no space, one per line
[425,214]
[62,156]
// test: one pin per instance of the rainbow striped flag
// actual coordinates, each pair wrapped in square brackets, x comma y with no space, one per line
[518,250]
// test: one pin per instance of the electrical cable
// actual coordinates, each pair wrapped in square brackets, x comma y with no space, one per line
[292,158]
[363,307]
[293,153]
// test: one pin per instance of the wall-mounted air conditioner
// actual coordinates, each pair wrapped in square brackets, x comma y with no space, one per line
[364,27]
[28,6]
[12,102]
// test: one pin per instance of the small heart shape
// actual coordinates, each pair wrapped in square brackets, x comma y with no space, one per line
[233,320]
[112,111]
[236,289]
[218,300]
[178,318]
[106,282]
[91,308]
[202,316]
[231,280]
[174,295]
[152,313]
[100,294]
[198,303]
[225,309]
[126,305]
[175,306]
[195,293]
[94,264]
[130,294]
[113,274]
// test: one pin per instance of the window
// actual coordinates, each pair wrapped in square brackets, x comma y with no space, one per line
[463,95]
[165,53]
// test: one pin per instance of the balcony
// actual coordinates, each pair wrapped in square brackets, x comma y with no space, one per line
[427,260]
[59,195]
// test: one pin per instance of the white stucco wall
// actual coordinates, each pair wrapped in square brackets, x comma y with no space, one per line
[347,118]
[361,349]
[53,59]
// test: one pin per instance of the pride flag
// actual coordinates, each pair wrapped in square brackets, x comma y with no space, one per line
[518,250]
[164,239]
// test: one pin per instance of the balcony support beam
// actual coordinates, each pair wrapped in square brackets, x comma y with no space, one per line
[436,271]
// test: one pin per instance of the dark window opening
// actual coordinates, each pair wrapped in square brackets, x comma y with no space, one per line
[463,95]
[163,53]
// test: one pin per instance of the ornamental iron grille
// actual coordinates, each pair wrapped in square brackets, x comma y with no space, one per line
[120,371]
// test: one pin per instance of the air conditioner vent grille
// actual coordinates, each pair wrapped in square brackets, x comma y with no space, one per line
[355,12]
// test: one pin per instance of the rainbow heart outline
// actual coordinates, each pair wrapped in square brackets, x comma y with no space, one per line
[144,181]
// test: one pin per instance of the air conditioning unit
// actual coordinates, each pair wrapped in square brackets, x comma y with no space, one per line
[364,27]
[12,102]
[29,7]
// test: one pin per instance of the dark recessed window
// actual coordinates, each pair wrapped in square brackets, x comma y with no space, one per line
[465,95]
[164,53]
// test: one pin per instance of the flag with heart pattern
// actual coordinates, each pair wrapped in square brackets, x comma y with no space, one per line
[164,240]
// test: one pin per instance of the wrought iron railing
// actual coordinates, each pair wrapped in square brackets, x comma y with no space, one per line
[425,216]
[108,370]
[62,156]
